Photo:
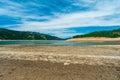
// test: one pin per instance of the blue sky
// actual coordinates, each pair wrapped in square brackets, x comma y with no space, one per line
[62,18]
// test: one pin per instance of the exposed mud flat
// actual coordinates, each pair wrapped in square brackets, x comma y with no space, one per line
[59,63]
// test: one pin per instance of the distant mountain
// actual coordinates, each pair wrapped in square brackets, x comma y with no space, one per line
[6,34]
[108,34]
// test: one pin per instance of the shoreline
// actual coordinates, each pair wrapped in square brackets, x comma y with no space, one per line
[29,40]
[94,39]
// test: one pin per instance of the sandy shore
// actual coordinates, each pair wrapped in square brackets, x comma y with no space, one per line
[59,63]
[94,39]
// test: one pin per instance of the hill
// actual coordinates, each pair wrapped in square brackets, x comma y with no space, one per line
[107,34]
[6,34]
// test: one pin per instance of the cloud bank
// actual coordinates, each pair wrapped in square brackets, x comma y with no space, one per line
[56,17]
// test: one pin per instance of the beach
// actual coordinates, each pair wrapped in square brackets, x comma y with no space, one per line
[25,62]
[94,39]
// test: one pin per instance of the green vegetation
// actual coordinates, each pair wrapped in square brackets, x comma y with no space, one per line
[108,34]
[6,34]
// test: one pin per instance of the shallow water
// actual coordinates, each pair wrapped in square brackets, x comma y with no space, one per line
[54,43]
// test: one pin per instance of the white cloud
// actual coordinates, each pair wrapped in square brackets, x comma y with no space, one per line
[73,20]
[80,19]
[63,33]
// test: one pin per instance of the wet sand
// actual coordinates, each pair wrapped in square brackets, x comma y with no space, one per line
[59,63]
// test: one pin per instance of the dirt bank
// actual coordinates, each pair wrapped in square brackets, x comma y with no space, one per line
[94,39]
[59,63]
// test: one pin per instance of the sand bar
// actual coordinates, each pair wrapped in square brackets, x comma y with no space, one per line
[94,39]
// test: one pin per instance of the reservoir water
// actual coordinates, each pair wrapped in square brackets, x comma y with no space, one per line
[53,43]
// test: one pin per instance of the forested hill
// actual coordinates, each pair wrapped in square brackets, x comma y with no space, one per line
[108,34]
[6,34]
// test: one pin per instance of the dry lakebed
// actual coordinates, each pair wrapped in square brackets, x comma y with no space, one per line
[25,62]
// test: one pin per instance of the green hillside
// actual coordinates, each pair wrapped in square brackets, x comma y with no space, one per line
[6,34]
[108,34]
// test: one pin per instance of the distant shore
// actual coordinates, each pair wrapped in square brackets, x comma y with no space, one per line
[26,40]
[94,39]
